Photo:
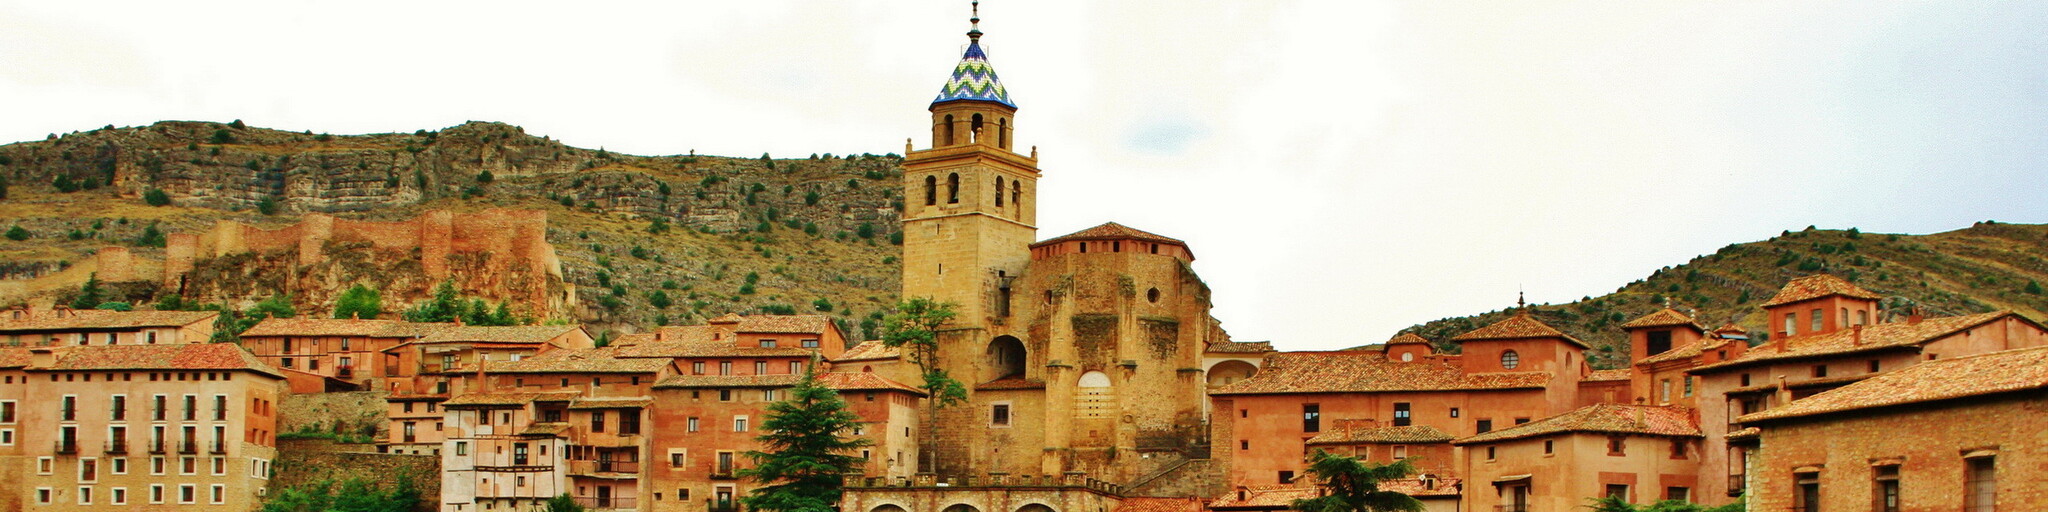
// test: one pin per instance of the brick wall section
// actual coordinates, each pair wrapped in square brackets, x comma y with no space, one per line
[302,462]
[1927,441]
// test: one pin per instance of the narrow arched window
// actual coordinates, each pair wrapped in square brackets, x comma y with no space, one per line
[999,191]
[974,128]
[1016,194]
[953,188]
[931,190]
[1003,133]
[948,130]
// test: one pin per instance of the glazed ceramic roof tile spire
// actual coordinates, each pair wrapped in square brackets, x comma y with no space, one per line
[974,79]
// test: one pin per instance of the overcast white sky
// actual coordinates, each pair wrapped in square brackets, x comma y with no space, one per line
[1342,169]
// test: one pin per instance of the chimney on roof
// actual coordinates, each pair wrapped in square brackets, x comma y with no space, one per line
[355,315]
[42,358]
[1639,417]
[458,320]
[1856,335]
[1915,315]
[1242,495]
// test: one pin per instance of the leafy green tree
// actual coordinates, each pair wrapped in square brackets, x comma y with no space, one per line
[800,470]
[17,234]
[221,136]
[443,307]
[1615,504]
[267,206]
[156,197]
[914,328]
[659,299]
[353,495]
[1353,485]
[359,302]
[115,306]
[563,503]
[150,237]
[90,294]
[2033,287]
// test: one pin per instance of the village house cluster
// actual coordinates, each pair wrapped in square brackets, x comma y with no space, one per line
[1097,381]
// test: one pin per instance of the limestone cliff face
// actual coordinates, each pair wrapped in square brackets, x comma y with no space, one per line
[639,240]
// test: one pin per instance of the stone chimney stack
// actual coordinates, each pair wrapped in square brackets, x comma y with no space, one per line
[42,358]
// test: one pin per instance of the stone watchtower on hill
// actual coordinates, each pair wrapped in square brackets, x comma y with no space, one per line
[1081,353]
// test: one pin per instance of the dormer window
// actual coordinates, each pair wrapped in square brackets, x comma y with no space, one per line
[1509,360]
[767,343]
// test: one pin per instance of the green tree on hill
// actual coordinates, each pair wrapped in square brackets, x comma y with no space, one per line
[805,456]
[90,294]
[359,302]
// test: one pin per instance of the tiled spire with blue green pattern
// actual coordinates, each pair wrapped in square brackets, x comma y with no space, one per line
[974,79]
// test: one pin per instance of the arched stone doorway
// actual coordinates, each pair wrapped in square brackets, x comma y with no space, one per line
[1005,358]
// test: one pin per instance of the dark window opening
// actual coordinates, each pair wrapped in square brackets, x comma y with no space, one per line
[1659,342]
[1311,418]
[1485,426]
[931,190]
[999,192]
[953,188]
[1401,417]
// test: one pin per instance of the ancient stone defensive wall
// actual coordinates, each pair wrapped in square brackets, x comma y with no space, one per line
[501,239]
[302,462]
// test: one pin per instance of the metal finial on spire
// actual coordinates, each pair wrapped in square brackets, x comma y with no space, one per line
[974,23]
[1520,301]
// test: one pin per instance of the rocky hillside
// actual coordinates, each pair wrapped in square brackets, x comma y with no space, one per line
[1988,266]
[646,239]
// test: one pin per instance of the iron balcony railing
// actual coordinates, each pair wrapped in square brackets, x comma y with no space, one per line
[67,447]
[188,446]
[117,447]
[157,447]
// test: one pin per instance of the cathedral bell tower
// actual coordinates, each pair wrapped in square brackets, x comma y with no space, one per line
[970,201]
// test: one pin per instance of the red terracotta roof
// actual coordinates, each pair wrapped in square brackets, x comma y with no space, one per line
[590,360]
[1137,504]
[1407,434]
[1110,231]
[1443,487]
[1369,372]
[1608,375]
[1240,347]
[728,381]
[785,324]
[1518,326]
[864,381]
[1601,418]
[1407,338]
[13,357]
[726,348]
[1270,497]
[1941,379]
[499,334]
[868,351]
[1008,383]
[1663,318]
[728,318]
[623,402]
[1817,286]
[194,356]
[471,399]
[95,319]
[342,327]
[1885,336]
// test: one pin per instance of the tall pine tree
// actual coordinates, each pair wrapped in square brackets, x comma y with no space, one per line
[805,457]
[1353,485]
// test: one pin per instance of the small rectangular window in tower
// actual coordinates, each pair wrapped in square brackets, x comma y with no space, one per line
[1401,414]
[999,415]
[1885,495]
[1311,418]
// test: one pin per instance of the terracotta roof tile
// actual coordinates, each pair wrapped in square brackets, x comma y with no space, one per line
[1885,336]
[1941,379]
[1009,383]
[591,360]
[470,399]
[1608,375]
[1518,326]
[88,319]
[1663,318]
[1263,497]
[545,429]
[1369,372]
[785,324]
[1601,418]
[1407,434]
[499,334]
[1414,487]
[1817,286]
[610,402]
[342,327]
[15,357]
[194,356]
[728,381]
[868,351]
[1407,338]
[681,349]
[1110,231]
[1240,347]
[864,381]
[1137,504]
